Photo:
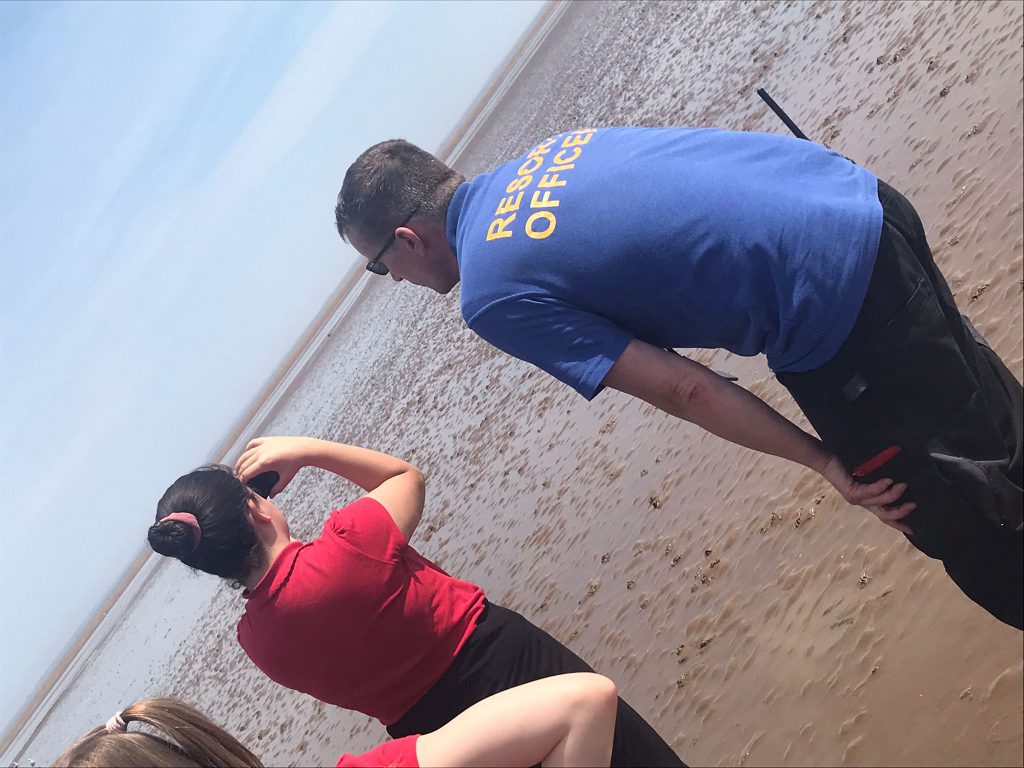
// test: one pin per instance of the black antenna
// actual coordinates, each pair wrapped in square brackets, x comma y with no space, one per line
[782,115]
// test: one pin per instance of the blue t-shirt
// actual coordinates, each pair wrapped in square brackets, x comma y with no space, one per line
[679,237]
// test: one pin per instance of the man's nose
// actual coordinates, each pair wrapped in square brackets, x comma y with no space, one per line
[395,277]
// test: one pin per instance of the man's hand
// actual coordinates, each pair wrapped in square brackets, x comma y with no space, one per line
[880,497]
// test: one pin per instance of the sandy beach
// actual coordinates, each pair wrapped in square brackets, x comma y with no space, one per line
[743,608]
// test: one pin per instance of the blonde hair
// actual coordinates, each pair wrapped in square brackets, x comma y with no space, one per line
[184,738]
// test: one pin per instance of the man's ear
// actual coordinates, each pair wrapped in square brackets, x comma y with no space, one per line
[409,239]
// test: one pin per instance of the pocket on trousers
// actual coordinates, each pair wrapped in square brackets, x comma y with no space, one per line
[919,378]
[918,373]
[984,485]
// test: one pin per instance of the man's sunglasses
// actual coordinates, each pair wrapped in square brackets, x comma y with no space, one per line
[375,266]
[264,483]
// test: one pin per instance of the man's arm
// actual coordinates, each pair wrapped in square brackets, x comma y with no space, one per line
[690,391]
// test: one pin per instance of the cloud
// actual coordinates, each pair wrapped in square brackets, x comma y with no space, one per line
[86,71]
[329,59]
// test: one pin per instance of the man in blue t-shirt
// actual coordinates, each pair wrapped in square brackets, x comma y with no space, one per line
[599,251]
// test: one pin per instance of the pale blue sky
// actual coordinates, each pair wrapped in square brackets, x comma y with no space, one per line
[167,177]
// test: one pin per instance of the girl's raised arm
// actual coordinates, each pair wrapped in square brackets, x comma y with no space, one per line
[395,483]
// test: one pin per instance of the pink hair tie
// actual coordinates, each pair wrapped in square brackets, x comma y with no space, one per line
[115,724]
[190,520]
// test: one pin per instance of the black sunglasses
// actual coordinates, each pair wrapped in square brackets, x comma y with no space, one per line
[264,483]
[375,266]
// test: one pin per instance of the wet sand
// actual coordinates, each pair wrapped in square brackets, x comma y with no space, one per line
[750,614]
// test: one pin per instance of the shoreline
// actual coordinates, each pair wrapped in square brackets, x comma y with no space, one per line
[67,660]
[505,75]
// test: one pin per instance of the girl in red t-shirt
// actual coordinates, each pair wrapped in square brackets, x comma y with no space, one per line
[356,617]
[559,721]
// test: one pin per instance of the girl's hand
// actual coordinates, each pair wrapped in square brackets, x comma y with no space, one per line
[284,455]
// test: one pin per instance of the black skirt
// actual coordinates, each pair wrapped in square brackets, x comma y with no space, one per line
[506,650]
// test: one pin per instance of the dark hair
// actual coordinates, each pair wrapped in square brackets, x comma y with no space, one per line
[228,545]
[185,737]
[386,184]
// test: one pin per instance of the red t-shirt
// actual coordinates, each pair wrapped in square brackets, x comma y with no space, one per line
[400,753]
[357,617]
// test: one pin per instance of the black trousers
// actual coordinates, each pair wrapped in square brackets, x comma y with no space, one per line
[504,651]
[915,377]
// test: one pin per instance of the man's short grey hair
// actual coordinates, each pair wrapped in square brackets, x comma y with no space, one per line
[386,184]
